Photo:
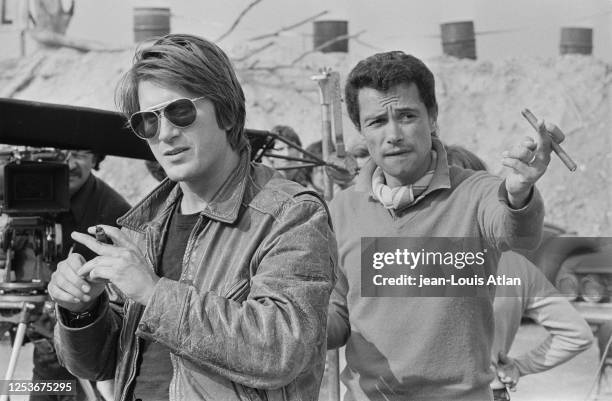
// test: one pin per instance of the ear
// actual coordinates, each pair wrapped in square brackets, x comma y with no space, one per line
[434,125]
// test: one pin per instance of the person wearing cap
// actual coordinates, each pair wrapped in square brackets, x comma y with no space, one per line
[226,267]
[421,348]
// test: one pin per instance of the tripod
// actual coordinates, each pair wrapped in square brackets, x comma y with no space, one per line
[25,298]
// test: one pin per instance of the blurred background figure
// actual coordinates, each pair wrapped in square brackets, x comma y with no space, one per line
[359,150]
[298,175]
[341,180]
[537,299]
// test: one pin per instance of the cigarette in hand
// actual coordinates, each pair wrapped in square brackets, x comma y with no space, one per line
[101,236]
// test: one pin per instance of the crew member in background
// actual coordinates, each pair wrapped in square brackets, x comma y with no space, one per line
[535,298]
[359,150]
[298,175]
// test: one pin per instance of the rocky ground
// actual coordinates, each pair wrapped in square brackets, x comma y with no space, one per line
[568,382]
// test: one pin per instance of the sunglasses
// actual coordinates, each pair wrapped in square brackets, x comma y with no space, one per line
[180,112]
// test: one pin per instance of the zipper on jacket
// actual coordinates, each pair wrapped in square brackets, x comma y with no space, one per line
[150,249]
[132,375]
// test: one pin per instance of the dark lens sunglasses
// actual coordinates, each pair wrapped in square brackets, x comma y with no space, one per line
[180,112]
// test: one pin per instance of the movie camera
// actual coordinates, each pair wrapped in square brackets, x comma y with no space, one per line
[35,191]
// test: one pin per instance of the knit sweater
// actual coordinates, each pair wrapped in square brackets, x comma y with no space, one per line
[423,348]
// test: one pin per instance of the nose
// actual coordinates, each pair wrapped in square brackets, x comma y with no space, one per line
[393,133]
[167,131]
[72,164]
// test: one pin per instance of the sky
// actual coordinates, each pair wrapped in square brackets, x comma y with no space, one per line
[504,28]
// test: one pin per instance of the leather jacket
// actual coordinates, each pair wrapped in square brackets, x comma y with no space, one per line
[247,319]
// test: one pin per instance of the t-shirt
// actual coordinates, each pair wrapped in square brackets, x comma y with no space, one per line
[154,366]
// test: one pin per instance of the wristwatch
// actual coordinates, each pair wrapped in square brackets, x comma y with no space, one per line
[80,319]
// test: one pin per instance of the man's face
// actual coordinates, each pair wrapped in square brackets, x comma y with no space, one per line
[190,154]
[397,129]
[80,164]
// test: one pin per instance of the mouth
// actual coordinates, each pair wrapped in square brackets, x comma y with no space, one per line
[175,151]
[397,152]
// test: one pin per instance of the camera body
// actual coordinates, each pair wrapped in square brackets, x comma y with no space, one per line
[35,190]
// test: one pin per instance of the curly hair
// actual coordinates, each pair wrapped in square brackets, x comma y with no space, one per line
[383,71]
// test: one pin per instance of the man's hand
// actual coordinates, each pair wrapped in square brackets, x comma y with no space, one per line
[507,371]
[528,162]
[121,263]
[70,290]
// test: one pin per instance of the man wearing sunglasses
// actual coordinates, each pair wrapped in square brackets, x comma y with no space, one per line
[227,267]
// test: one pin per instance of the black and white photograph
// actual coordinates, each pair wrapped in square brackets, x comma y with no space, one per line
[322,200]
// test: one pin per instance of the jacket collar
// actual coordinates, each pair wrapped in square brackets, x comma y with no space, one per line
[223,207]
[440,180]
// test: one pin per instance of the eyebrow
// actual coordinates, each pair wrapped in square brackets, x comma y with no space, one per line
[374,116]
[404,109]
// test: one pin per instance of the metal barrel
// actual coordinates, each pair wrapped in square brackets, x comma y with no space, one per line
[458,39]
[151,22]
[325,31]
[576,41]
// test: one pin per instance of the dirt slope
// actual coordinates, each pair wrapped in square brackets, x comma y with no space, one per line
[480,104]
